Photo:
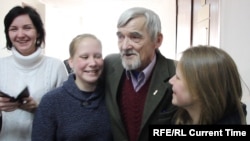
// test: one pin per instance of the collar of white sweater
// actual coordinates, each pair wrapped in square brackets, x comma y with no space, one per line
[29,61]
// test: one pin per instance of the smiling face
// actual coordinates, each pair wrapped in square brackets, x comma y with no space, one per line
[136,47]
[23,35]
[87,62]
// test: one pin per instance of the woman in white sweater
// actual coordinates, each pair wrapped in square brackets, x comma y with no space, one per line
[27,66]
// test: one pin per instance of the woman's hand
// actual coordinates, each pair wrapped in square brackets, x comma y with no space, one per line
[6,105]
[28,104]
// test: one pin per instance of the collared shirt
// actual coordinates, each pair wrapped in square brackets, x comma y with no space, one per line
[142,77]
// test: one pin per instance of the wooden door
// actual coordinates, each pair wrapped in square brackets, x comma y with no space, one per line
[205,22]
[197,23]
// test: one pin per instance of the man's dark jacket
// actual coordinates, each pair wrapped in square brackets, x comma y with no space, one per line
[158,108]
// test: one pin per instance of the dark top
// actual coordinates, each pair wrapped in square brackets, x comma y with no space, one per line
[233,118]
[66,63]
[69,114]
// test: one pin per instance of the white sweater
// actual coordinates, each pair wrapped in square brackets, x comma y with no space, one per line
[41,74]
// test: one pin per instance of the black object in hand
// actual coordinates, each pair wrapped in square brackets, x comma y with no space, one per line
[24,93]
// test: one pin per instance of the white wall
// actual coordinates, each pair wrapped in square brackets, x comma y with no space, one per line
[65,22]
[235,39]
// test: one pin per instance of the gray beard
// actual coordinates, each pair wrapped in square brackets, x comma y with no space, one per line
[131,65]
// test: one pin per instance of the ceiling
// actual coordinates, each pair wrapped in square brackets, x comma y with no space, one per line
[61,3]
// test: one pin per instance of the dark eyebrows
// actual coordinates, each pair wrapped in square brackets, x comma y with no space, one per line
[136,34]
[118,33]
[23,25]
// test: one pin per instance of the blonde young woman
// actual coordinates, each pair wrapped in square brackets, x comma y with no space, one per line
[76,111]
[207,88]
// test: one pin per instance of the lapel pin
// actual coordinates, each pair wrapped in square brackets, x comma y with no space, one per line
[155,92]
